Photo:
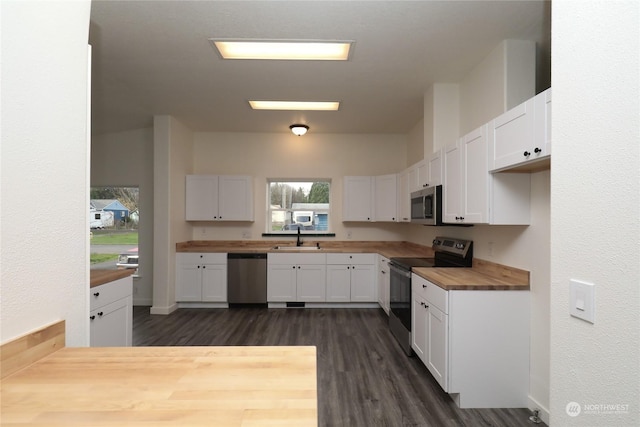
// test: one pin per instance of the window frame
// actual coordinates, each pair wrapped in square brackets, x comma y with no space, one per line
[288,212]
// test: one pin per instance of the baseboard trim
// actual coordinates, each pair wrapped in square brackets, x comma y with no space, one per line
[163,310]
[544,412]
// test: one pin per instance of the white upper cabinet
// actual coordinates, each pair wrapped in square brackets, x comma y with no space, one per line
[219,198]
[466,179]
[422,169]
[474,196]
[542,106]
[521,135]
[404,196]
[453,188]
[370,198]
[386,203]
[435,168]
[358,198]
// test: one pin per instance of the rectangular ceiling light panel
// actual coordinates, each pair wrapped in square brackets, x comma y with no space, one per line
[283,50]
[295,105]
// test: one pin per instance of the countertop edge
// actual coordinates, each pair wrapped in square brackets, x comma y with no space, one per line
[100,277]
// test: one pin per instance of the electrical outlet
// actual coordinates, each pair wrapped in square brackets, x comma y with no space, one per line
[349,235]
[203,231]
[246,234]
[490,248]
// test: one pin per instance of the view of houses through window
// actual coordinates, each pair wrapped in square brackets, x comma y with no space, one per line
[298,205]
[114,219]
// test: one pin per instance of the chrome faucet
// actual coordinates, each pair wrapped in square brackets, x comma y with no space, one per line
[298,242]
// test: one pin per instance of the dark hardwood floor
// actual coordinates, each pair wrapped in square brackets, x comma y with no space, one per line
[364,378]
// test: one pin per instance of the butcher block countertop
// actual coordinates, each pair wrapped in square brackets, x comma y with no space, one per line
[100,277]
[165,386]
[386,249]
[483,276]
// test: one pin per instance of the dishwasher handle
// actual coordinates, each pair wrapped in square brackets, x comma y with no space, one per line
[247,255]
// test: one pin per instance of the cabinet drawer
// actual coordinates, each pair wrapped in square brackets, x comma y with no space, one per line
[351,258]
[201,258]
[110,292]
[297,259]
[432,293]
[438,297]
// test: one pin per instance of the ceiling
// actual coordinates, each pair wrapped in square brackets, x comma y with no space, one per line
[154,58]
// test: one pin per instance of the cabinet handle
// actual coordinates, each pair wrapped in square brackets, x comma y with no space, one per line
[198,266]
[294,267]
[348,267]
[383,272]
[527,154]
[424,286]
[459,218]
[92,317]
[100,313]
[537,150]
[96,294]
[204,266]
[298,267]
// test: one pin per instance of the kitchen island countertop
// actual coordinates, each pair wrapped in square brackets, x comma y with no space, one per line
[165,386]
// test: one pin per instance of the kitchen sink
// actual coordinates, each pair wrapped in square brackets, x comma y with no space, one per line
[296,248]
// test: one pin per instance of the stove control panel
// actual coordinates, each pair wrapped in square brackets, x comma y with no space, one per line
[452,245]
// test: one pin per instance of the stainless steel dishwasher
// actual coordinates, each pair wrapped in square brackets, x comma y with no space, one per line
[247,278]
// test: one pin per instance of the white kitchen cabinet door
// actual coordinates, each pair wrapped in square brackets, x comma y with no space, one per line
[201,198]
[412,176]
[419,326]
[112,325]
[358,198]
[542,107]
[363,283]
[386,202]
[281,283]
[188,282]
[214,282]
[338,283]
[475,182]
[111,314]
[435,168]
[384,279]
[512,137]
[404,197]
[311,283]
[422,169]
[437,346]
[235,198]
[453,185]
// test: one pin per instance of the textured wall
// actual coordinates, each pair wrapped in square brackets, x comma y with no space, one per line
[595,216]
[44,168]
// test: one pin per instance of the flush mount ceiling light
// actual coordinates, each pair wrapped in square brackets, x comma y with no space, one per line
[295,105]
[297,50]
[299,129]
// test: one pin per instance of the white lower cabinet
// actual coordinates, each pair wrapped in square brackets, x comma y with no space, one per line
[201,277]
[351,278]
[474,343]
[111,314]
[296,277]
[384,280]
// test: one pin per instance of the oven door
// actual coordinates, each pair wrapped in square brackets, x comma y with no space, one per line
[400,295]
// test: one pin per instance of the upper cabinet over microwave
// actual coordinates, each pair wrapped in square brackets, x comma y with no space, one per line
[521,138]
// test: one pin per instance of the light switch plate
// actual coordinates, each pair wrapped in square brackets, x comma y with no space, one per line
[582,300]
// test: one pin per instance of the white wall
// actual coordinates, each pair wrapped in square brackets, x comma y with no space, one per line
[44,253]
[172,160]
[287,156]
[125,159]
[504,79]
[595,210]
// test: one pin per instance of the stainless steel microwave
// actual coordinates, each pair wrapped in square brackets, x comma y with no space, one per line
[426,206]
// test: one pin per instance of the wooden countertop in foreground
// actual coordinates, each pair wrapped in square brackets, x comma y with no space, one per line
[100,277]
[165,386]
[483,276]
[386,249]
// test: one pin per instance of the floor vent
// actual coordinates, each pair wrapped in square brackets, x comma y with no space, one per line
[295,305]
